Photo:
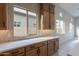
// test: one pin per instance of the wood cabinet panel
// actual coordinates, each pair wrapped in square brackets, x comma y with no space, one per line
[46,20]
[56,44]
[47,15]
[52,7]
[43,51]
[52,21]
[21,54]
[3,16]
[37,45]
[5,54]
[51,47]
[37,49]
[33,52]
[15,52]
[46,6]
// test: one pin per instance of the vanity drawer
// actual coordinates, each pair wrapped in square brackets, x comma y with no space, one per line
[15,51]
[37,45]
[5,54]
[21,54]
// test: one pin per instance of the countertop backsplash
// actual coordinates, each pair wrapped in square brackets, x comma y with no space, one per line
[6,36]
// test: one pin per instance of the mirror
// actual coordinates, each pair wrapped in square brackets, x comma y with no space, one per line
[25,22]
[32,23]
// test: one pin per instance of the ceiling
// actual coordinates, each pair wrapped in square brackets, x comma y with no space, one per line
[72,8]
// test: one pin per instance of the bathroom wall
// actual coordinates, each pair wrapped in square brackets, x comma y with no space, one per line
[66,17]
[7,35]
[76,30]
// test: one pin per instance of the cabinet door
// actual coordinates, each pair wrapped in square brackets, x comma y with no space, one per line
[52,21]
[3,16]
[47,16]
[14,52]
[43,51]
[46,20]
[56,44]
[51,47]
[33,52]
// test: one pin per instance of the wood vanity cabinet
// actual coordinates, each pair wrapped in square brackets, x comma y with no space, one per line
[52,21]
[51,47]
[14,52]
[33,52]
[46,21]
[3,16]
[39,49]
[43,51]
[47,16]
[52,16]
[44,13]
[45,48]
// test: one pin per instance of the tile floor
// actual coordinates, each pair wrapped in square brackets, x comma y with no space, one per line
[67,46]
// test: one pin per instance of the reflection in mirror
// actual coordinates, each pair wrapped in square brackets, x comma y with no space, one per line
[32,23]
[20,22]
[25,22]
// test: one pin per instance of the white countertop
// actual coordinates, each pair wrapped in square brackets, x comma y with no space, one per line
[74,51]
[16,44]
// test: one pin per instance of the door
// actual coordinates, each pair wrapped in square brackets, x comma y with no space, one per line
[43,51]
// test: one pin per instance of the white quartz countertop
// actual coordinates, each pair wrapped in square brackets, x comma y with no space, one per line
[17,44]
[74,51]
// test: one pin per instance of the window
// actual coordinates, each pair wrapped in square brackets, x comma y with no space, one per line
[25,22]
[71,27]
[60,27]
